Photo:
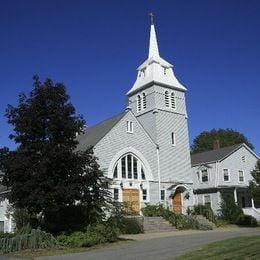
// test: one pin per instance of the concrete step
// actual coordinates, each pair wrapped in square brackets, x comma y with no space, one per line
[157,224]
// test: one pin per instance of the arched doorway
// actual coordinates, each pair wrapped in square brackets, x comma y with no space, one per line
[177,200]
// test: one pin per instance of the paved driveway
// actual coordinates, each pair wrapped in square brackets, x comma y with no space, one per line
[160,246]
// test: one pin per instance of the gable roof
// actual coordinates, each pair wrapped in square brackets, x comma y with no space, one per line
[213,155]
[95,133]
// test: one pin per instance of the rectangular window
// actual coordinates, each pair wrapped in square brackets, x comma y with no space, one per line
[226,175]
[162,195]
[142,173]
[241,176]
[207,200]
[243,158]
[173,138]
[135,169]
[129,166]
[123,168]
[144,195]
[129,127]
[116,194]
[204,175]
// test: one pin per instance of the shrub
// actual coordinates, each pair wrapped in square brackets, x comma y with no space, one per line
[131,226]
[229,210]
[205,211]
[33,240]
[154,210]
[21,217]
[93,235]
[247,220]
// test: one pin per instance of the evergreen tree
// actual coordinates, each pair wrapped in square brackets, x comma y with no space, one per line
[254,185]
[46,173]
[226,137]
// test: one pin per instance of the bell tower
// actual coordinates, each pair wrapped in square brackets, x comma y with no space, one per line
[157,99]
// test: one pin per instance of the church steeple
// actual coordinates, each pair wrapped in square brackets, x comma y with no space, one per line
[153,45]
[155,70]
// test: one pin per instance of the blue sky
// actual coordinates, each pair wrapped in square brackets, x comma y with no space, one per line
[94,48]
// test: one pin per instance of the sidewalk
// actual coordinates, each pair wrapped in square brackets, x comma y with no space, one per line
[147,236]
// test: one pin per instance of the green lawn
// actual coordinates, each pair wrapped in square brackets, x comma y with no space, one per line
[236,248]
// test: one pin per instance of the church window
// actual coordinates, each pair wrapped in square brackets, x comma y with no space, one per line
[129,167]
[115,174]
[204,175]
[144,101]
[166,96]
[123,168]
[173,138]
[139,103]
[135,169]
[116,194]
[129,127]
[144,194]
[142,173]
[173,100]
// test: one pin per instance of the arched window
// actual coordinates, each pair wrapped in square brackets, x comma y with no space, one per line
[138,103]
[129,167]
[144,101]
[166,96]
[173,100]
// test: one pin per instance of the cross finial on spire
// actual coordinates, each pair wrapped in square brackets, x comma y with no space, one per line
[152,17]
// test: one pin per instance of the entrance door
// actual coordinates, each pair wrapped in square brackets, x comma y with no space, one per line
[176,203]
[131,198]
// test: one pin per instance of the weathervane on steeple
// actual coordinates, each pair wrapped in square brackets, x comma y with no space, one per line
[152,17]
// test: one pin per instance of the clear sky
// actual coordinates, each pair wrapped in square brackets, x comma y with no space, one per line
[94,48]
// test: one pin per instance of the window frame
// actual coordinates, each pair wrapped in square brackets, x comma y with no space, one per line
[228,174]
[243,175]
[201,177]
[129,127]
[162,195]
[173,138]
[144,195]
[204,201]
[116,194]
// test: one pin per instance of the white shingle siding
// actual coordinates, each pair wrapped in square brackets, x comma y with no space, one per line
[118,139]
[234,163]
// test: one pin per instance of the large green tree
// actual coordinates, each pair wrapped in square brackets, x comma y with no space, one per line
[254,186]
[226,137]
[46,173]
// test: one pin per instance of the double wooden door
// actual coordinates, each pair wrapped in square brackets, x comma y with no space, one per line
[177,203]
[131,199]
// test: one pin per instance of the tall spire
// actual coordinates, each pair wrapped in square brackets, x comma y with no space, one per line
[153,45]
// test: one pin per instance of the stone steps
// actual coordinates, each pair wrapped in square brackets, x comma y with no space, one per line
[204,221]
[157,224]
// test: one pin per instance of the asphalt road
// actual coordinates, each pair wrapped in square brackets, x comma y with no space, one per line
[164,246]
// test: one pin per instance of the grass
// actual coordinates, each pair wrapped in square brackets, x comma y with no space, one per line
[31,254]
[235,249]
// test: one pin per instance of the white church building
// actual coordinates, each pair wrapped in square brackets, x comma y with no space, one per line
[145,150]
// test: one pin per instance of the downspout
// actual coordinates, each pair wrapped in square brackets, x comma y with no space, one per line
[159,172]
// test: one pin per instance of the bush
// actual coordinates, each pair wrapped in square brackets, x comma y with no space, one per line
[155,211]
[205,211]
[93,235]
[247,220]
[131,226]
[33,239]
[21,217]
[229,210]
